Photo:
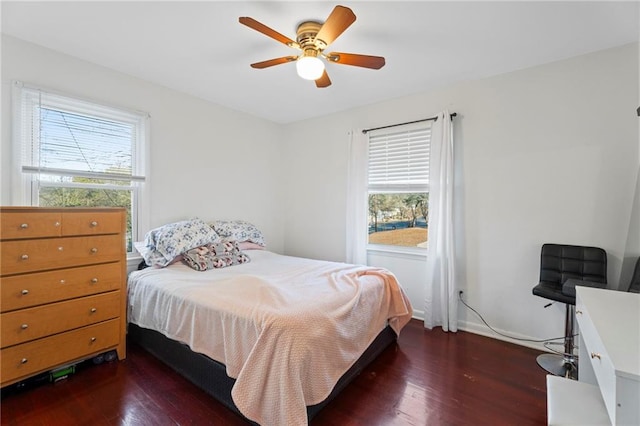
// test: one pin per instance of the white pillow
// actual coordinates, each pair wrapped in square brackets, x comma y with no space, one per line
[238,230]
[167,242]
[142,248]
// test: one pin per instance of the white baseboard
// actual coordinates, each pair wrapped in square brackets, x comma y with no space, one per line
[419,315]
[483,330]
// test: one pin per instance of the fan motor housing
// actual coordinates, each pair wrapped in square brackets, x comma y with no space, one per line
[306,36]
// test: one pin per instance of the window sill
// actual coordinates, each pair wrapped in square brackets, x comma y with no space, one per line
[402,252]
[133,260]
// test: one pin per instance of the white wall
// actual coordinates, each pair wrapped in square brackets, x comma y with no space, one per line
[632,251]
[206,160]
[547,154]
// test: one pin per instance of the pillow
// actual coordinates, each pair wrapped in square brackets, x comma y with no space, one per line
[239,230]
[141,247]
[212,256]
[167,242]
[147,253]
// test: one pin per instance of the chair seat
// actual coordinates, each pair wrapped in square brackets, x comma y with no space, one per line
[551,290]
[569,286]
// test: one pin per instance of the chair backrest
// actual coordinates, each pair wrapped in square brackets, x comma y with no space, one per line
[634,286]
[559,262]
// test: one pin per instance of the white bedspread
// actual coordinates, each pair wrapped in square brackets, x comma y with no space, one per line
[286,328]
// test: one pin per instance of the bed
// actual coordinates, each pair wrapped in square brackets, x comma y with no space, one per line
[274,338]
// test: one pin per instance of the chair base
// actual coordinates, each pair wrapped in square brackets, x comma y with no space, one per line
[558,365]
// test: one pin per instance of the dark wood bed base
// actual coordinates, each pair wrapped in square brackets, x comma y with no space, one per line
[211,375]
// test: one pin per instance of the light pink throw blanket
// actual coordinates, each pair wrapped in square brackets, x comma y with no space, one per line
[286,328]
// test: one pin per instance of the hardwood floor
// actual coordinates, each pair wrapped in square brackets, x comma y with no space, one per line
[428,378]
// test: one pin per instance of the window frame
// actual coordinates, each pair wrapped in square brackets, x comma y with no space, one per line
[403,251]
[25,175]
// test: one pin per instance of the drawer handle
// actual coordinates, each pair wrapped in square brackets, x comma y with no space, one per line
[595,355]
[62,281]
[25,292]
[24,226]
[56,224]
[94,224]
[93,339]
[93,310]
[60,248]
[94,280]
[23,361]
[24,326]
[24,257]
[94,250]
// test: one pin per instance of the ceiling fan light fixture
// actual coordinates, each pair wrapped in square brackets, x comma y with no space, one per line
[310,67]
[312,38]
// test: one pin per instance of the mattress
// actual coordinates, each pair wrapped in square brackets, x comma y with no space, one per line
[285,328]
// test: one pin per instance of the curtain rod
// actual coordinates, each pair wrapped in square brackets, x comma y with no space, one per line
[453,114]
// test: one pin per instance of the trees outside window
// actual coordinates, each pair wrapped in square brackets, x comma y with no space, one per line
[398,219]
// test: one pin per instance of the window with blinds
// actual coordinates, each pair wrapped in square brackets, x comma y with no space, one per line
[75,153]
[398,185]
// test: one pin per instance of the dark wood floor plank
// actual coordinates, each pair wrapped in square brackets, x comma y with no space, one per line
[428,378]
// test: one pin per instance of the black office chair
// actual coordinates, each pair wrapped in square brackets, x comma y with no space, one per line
[562,267]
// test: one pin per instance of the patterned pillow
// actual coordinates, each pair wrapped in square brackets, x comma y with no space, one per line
[212,256]
[239,230]
[169,241]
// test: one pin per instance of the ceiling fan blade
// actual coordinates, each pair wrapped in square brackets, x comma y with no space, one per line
[338,21]
[323,81]
[272,62]
[260,27]
[365,61]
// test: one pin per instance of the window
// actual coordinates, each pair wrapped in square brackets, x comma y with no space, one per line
[74,153]
[398,185]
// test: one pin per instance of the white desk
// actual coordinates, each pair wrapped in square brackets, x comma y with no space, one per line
[609,357]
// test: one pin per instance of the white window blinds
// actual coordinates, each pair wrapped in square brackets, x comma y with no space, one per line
[399,158]
[71,137]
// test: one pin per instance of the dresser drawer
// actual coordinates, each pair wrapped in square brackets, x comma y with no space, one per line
[91,223]
[23,291]
[14,225]
[41,355]
[33,323]
[21,256]
[598,357]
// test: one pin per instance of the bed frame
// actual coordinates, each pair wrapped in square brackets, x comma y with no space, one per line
[211,375]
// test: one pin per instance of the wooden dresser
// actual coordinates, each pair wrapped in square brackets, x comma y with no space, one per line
[62,287]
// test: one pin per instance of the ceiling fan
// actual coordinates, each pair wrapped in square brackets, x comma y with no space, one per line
[312,38]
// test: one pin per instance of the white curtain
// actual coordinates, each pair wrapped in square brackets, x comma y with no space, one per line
[357,202]
[441,301]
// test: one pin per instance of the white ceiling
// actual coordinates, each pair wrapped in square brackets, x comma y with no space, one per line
[200,48]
